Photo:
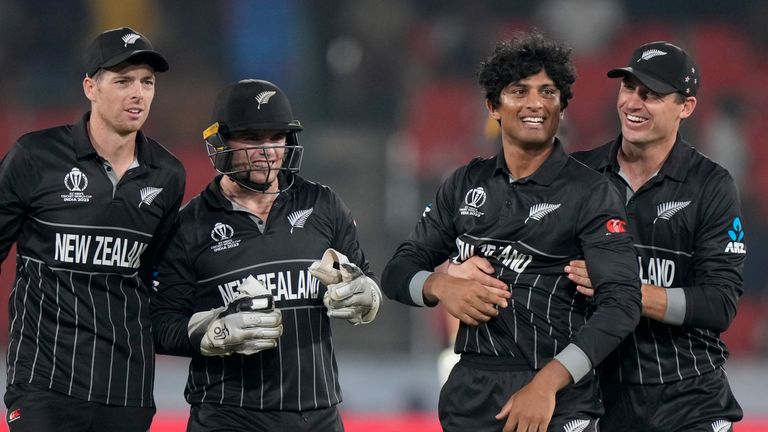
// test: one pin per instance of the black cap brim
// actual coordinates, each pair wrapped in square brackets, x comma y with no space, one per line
[652,83]
[151,58]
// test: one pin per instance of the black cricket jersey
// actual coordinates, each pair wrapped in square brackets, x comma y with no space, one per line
[79,306]
[214,250]
[686,222]
[529,230]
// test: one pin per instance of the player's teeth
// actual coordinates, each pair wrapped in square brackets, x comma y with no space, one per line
[634,118]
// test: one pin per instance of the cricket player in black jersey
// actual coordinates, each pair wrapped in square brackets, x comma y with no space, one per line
[509,225]
[236,277]
[89,206]
[685,216]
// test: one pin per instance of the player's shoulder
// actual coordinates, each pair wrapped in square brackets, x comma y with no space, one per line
[44,138]
[594,158]
[701,167]
[164,157]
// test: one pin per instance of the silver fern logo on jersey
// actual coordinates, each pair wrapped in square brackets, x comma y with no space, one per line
[148,194]
[473,200]
[76,182]
[538,211]
[576,426]
[299,218]
[721,426]
[222,234]
[264,97]
[668,209]
[130,39]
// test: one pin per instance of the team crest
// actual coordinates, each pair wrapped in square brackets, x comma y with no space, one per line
[299,218]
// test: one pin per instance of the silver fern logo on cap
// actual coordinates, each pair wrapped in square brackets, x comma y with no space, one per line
[651,53]
[130,39]
[264,97]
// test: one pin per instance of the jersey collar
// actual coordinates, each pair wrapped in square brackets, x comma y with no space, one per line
[675,167]
[547,172]
[84,148]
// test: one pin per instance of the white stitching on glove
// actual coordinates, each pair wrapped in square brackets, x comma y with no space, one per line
[249,324]
[351,295]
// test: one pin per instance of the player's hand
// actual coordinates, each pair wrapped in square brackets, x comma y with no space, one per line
[247,325]
[351,295]
[478,269]
[577,272]
[530,409]
[469,301]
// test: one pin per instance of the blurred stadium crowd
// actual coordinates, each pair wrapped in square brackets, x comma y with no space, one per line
[387,93]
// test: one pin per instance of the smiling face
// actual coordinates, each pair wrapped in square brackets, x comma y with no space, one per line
[529,111]
[121,98]
[647,117]
[258,155]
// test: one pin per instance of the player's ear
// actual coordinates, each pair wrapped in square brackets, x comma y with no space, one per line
[89,88]
[688,106]
[492,111]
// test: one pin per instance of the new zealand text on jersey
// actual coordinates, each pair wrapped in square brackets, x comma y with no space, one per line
[280,284]
[505,254]
[107,251]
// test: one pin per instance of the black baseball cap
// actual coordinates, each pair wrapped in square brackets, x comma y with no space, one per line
[124,44]
[662,67]
[249,105]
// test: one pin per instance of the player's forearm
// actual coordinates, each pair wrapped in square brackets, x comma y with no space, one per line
[654,302]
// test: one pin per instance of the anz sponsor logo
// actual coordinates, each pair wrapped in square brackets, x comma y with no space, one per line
[736,234]
[222,234]
[657,271]
[473,200]
[504,254]
[283,285]
[76,182]
[98,250]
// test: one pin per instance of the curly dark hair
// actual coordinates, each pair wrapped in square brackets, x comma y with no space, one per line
[525,55]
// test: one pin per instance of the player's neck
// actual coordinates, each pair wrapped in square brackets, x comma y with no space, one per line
[118,150]
[257,202]
[640,162]
[524,161]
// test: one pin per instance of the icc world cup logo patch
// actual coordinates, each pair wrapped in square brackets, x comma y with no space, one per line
[222,234]
[76,182]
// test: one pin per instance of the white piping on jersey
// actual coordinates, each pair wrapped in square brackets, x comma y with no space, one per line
[656,349]
[656,248]
[677,357]
[253,267]
[134,274]
[93,227]
[693,356]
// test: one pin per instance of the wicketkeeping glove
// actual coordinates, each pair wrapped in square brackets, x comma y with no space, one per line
[249,324]
[351,294]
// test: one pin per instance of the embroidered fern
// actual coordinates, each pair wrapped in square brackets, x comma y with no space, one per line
[130,38]
[651,53]
[576,425]
[540,210]
[299,218]
[264,97]
[148,194]
[668,209]
[721,426]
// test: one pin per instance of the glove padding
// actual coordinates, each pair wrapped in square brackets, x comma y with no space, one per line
[247,325]
[351,295]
